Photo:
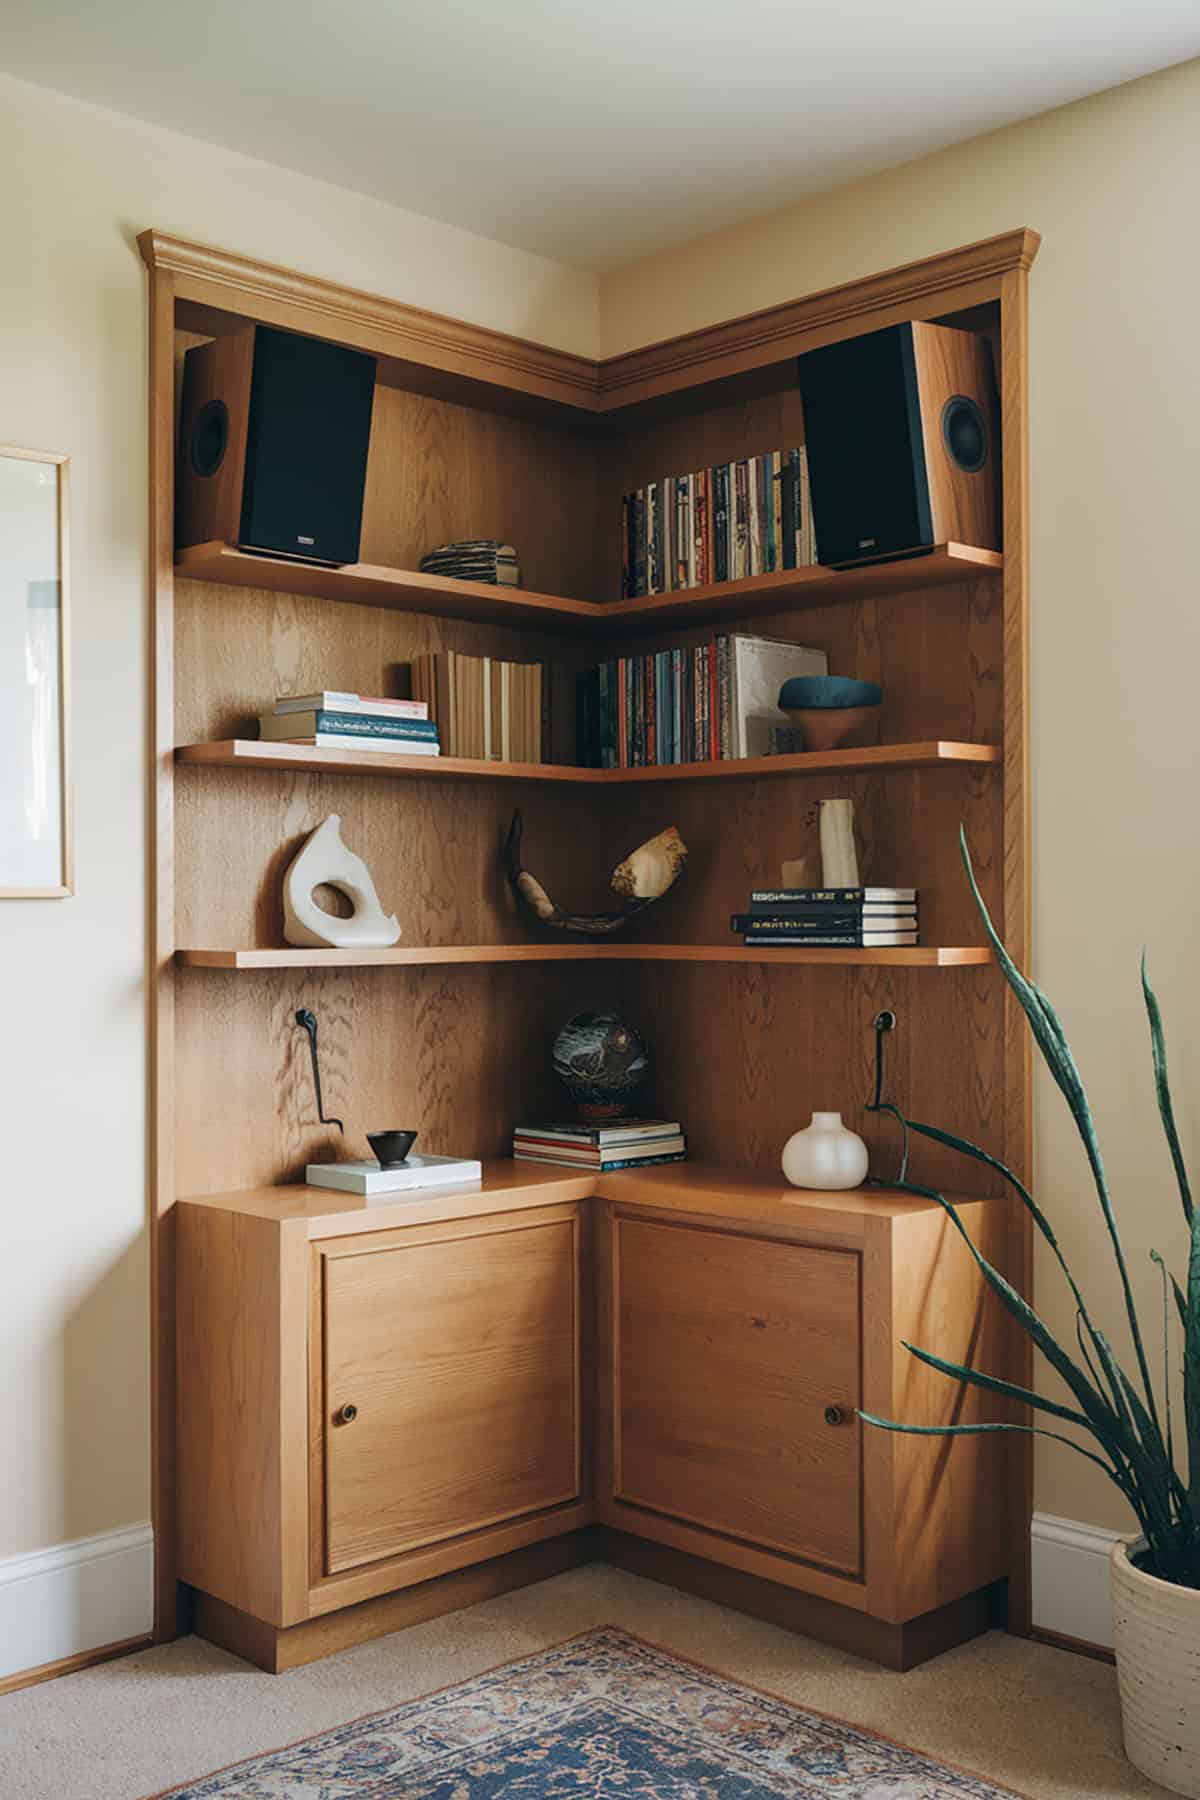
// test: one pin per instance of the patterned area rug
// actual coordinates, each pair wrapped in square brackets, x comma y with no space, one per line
[603,1717]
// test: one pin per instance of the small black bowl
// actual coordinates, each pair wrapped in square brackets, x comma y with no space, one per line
[391,1147]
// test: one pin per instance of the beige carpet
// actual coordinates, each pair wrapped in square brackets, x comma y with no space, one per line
[1041,1720]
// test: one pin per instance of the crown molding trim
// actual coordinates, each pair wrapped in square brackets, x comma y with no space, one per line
[776,332]
[409,336]
[392,329]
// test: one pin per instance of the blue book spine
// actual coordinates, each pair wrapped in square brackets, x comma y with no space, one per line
[361,725]
[641,1162]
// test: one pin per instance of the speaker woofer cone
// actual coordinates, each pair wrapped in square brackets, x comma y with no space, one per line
[210,438]
[964,433]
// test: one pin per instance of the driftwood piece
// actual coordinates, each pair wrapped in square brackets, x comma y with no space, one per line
[644,876]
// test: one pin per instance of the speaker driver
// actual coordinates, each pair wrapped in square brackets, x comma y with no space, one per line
[210,438]
[964,433]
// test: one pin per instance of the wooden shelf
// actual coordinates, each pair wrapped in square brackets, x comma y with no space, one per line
[400,590]
[249,753]
[509,1185]
[406,590]
[791,589]
[903,957]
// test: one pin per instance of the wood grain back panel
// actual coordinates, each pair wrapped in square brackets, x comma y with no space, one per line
[437,472]
[459,1054]
[462,1358]
[744,1056]
[728,1351]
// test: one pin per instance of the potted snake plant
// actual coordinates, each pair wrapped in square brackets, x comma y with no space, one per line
[1127,1430]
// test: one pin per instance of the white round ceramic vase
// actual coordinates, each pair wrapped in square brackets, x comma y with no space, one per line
[825,1155]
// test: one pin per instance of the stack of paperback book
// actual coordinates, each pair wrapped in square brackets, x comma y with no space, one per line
[699,703]
[749,517]
[475,559]
[486,708]
[334,720]
[619,1144]
[860,918]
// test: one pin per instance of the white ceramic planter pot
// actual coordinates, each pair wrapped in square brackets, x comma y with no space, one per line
[1156,1634]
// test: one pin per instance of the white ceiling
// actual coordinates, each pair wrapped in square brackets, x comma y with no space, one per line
[592,131]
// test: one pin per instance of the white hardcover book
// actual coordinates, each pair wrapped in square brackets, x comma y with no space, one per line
[758,669]
[332,700]
[368,1179]
[334,740]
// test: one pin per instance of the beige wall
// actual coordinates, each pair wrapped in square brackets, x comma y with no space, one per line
[1115,380]
[76,184]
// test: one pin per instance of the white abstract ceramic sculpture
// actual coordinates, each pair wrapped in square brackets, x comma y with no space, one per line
[825,1155]
[325,861]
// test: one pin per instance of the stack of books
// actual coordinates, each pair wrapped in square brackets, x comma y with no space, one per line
[485,708]
[736,519]
[334,720]
[475,559]
[860,918]
[620,1144]
[700,703]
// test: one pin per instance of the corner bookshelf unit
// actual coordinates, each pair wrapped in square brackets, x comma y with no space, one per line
[475,434]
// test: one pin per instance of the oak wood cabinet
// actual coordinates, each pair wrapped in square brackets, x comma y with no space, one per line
[364,1410]
[734,1355]
[390,1410]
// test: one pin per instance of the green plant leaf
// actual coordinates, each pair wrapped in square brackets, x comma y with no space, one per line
[995,1384]
[981,1430]
[1162,1088]
[1166,1309]
[1056,1054]
[1042,1223]
[1191,1370]
[1104,1422]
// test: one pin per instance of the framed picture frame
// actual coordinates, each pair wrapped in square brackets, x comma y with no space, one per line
[36,850]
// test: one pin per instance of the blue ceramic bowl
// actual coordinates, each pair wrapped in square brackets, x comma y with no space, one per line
[827,693]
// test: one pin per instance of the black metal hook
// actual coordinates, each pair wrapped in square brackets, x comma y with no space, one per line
[308,1022]
[884,1022]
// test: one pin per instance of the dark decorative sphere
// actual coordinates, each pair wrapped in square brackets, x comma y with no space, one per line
[602,1062]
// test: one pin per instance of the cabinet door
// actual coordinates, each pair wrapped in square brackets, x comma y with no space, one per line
[729,1350]
[459,1360]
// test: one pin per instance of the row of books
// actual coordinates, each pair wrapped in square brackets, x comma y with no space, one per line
[698,703]
[333,719]
[485,708]
[620,1144]
[748,517]
[852,917]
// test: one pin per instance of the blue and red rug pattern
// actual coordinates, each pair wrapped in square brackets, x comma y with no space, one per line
[603,1717]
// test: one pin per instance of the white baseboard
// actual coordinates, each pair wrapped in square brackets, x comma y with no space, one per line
[100,1590]
[75,1597]
[1070,1579]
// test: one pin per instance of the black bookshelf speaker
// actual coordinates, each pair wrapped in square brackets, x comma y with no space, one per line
[901,428]
[274,430]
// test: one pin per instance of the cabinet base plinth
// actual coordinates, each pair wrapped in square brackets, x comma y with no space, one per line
[277,1648]
[899,1647]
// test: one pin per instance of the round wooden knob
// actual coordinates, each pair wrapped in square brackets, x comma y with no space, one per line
[834,1415]
[348,1413]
